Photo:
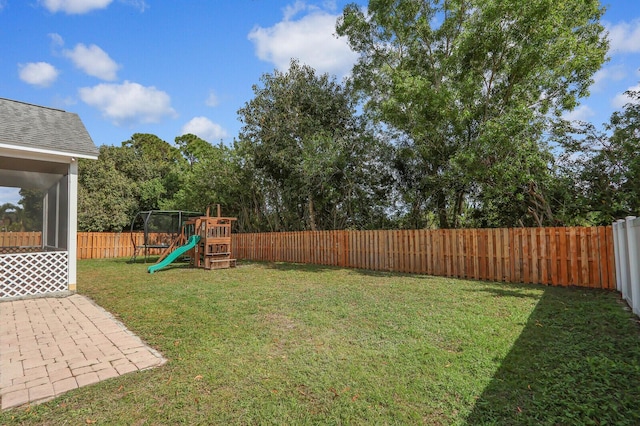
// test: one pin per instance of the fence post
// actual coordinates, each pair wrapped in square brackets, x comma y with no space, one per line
[623,257]
[615,227]
[628,255]
[634,265]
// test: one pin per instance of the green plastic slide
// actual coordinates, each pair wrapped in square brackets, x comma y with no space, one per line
[191,243]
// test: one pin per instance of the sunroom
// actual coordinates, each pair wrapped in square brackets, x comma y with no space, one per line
[39,152]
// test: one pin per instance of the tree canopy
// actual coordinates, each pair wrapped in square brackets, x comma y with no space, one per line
[469,85]
[302,135]
[601,167]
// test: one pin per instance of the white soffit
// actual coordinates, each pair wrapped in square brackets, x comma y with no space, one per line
[30,174]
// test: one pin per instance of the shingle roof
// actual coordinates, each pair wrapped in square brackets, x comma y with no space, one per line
[31,126]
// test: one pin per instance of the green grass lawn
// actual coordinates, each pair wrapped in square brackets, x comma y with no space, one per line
[295,344]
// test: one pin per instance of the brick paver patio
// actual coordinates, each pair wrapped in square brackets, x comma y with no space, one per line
[49,346]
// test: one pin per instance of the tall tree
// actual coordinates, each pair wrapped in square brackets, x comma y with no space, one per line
[194,149]
[107,197]
[300,130]
[212,176]
[144,173]
[155,166]
[11,217]
[602,166]
[31,202]
[469,86]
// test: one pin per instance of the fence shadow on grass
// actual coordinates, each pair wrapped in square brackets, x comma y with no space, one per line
[577,361]
[287,266]
[141,260]
[310,267]
[509,290]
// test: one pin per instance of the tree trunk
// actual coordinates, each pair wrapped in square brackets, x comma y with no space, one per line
[458,210]
[312,214]
[441,203]
[540,206]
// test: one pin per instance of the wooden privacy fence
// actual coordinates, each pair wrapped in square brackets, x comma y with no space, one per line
[101,245]
[91,245]
[104,245]
[553,256]
[20,239]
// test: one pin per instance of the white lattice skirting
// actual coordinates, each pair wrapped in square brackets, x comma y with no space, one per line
[27,274]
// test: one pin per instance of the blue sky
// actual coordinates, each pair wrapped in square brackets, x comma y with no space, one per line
[174,67]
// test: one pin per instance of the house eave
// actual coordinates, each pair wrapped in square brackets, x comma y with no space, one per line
[42,154]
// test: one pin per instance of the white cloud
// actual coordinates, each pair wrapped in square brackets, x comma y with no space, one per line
[620,100]
[330,4]
[72,7]
[93,61]
[78,7]
[128,103]
[581,113]
[204,129]
[40,74]
[56,39]
[624,37]
[141,5]
[64,101]
[212,99]
[604,75]
[310,39]
[292,10]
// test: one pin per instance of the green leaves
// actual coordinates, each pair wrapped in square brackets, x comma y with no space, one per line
[603,166]
[313,155]
[106,196]
[142,174]
[469,85]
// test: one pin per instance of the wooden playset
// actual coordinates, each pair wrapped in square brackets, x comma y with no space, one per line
[213,250]
[205,240]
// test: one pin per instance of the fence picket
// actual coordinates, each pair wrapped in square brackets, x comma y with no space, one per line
[553,256]
[611,265]
[543,255]
[584,258]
